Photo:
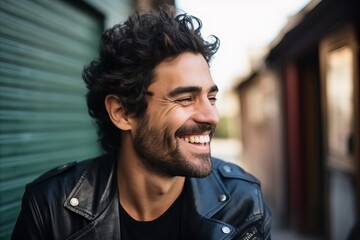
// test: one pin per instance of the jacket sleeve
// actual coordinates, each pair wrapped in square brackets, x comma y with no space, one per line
[259,230]
[29,224]
[267,224]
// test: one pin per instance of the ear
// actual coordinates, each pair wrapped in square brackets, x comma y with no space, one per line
[117,113]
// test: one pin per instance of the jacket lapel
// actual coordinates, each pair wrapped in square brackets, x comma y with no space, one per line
[95,198]
[209,194]
[106,226]
[204,198]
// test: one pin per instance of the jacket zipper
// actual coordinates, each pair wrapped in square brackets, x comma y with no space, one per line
[242,230]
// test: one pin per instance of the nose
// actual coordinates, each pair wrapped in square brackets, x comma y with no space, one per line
[206,112]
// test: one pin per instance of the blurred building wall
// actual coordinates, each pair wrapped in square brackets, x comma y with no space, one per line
[315,67]
[114,11]
[262,135]
[44,121]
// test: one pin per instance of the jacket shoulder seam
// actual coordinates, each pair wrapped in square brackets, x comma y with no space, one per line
[231,170]
[51,173]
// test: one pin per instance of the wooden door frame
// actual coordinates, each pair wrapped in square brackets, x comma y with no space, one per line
[345,37]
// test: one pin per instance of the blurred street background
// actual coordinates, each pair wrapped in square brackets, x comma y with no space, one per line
[288,73]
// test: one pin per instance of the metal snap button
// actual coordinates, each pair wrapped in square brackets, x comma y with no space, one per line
[225,230]
[222,198]
[227,168]
[74,202]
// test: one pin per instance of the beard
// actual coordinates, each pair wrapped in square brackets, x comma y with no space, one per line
[161,154]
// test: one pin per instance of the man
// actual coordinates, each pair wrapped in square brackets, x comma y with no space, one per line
[153,98]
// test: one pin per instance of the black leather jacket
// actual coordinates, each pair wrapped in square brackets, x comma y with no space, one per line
[80,201]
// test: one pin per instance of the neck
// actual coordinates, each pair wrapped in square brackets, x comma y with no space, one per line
[144,195]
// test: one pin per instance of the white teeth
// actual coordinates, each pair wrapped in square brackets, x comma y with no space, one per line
[197,139]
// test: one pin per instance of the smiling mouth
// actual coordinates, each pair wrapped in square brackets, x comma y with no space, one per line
[196,139]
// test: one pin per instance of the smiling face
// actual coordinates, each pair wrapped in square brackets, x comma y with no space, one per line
[173,138]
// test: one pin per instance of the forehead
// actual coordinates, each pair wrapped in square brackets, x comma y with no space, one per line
[187,69]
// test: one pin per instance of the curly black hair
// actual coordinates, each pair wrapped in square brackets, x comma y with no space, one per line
[128,54]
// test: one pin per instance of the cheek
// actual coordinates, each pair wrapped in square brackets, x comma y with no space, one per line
[173,119]
[178,119]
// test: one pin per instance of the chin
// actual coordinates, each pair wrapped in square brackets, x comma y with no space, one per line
[201,169]
[201,175]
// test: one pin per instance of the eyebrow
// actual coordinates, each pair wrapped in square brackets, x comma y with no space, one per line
[190,89]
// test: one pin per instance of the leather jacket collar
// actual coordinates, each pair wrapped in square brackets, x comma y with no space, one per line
[95,189]
[95,198]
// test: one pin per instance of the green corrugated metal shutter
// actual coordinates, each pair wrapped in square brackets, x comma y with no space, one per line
[43,115]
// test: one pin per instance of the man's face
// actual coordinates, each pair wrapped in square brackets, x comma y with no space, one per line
[173,138]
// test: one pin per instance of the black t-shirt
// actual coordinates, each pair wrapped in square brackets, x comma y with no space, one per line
[167,226]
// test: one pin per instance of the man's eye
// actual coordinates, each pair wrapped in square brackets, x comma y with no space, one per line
[184,100]
[212,99]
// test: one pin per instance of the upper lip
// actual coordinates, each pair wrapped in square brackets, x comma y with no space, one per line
[209,133]
[199,129]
